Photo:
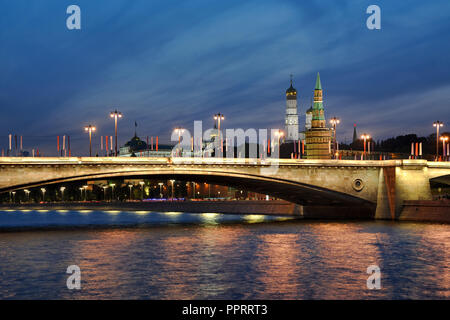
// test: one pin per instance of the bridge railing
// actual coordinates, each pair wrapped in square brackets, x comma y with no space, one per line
[211,161]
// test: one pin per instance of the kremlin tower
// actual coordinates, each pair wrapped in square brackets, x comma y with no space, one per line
[318,137]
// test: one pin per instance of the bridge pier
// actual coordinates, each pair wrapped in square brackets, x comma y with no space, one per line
[410,181]
[386,194]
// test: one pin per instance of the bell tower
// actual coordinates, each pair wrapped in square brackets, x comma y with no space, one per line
[291,120]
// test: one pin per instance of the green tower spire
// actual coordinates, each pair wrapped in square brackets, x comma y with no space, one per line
[318,119]
[318,84]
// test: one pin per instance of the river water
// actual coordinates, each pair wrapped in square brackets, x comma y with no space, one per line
[149,255]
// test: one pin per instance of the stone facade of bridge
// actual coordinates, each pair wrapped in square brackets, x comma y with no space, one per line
[378,186]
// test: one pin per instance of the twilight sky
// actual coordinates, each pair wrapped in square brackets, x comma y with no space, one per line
[166,63]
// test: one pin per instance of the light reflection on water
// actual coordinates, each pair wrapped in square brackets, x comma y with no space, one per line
[270,260]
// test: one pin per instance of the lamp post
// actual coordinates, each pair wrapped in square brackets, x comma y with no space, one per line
[365,137]
[179,131]
[43,194]
[116,115]
[104,192]
[131,187]
[62,192]
[14,196]
[142,189]
[219,117]
[112,190]
[27,192]
[160,189]
[279,134]
[85,192]
[173,181]
[209,190]
[334,121]
[89,129]
[437,125]
[444,139]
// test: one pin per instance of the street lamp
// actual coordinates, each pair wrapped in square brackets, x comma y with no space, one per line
[115,114]
[219,117]
[85,192]
[437,125]
[335,121]
[160,189]
[104,192]
[81,193]
[365,137]
[193,187]
[179,131]
[112,190]
[172,187]
[209,189]
[43,194]
[62,192]
[444,139]
[279,134]
[89,129]
[27,192]
[131,187]
[142,189]
[14,196]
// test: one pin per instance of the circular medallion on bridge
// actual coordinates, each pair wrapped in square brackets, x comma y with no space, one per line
[358,184]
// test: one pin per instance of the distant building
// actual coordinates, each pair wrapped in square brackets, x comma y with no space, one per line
[318,137]
[355,136]
[308,120]
[138,148]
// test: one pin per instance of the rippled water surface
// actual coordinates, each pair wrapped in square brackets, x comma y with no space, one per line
[210,256]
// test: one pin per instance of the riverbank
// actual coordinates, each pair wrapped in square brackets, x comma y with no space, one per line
[426,211]
[272,207]
[275,207]
[421,211]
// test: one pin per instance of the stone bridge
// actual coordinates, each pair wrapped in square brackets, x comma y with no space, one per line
[378,187]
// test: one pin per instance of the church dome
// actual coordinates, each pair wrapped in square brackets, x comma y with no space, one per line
[291,90]
[291,93]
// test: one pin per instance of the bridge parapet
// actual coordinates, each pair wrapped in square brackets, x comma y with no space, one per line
[209,161]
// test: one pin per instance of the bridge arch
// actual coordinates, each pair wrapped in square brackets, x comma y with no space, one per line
[296,192]
[444,179]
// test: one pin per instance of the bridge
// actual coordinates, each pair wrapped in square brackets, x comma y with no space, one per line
[377,187]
